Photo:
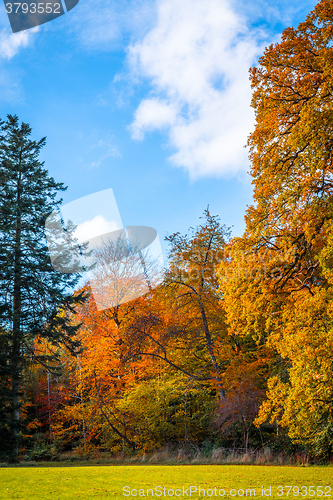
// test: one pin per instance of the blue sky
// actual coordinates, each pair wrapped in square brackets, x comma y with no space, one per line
[149,98]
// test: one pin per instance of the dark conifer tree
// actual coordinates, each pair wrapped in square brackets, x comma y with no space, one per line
[32,293]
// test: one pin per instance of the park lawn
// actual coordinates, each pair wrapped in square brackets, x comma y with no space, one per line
[107,482]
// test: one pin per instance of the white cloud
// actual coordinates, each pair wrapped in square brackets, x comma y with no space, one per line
[154,114]
[11,89]
[97,226]
[10,44]
[196,59]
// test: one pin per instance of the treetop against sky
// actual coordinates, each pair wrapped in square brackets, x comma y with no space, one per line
[149,98]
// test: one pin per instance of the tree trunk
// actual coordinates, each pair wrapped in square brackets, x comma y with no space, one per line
[16,366]
[16,347]
[210,349]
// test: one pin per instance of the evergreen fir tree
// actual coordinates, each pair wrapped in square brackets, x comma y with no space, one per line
[35,299]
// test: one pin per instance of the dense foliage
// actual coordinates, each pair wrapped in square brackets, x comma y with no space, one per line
[279,275]
[234,348]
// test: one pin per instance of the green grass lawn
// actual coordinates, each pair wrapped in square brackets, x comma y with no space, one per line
[107,482]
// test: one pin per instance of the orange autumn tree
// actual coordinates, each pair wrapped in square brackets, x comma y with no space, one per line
[153,370]
[120,396]
[99,376]
[277,280]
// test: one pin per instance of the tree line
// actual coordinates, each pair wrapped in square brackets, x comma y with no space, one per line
[234,348]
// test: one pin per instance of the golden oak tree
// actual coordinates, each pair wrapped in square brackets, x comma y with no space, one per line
[277,280]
